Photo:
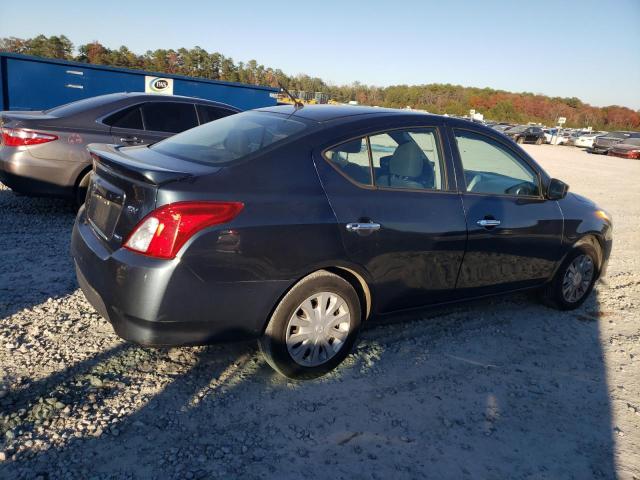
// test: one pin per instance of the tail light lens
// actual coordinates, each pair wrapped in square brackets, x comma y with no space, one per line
[164,231]
[18,137]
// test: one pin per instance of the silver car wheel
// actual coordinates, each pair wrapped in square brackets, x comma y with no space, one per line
[577,278]
[318,329]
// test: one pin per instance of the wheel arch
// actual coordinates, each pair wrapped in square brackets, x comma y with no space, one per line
[359,284]
[349,274]
[592,239]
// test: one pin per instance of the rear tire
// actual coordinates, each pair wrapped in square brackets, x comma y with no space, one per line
[570,286]
[81,189]
[303,339]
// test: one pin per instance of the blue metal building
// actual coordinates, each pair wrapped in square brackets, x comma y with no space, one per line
[36,83]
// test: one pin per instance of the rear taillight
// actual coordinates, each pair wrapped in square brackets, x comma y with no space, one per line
[164,231]
[18,137]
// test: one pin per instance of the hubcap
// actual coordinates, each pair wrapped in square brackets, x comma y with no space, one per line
[577,278]
[318,329]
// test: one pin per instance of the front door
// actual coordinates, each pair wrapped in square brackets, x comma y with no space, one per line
[514,232]
[401,220]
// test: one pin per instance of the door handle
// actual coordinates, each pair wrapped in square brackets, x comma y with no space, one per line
[363,228]
[130,140]
[488,222]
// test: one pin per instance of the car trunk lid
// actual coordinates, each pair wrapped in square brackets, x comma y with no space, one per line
[23,117]
[124,187]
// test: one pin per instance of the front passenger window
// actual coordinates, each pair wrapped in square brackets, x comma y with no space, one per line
[352,160]
[491,168]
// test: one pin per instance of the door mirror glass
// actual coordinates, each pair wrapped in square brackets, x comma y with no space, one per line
[557,189]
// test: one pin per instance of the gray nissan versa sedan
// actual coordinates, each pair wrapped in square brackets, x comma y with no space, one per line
[44,152]
[295,226]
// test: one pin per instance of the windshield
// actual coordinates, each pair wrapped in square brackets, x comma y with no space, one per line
[230,138]
[517,129]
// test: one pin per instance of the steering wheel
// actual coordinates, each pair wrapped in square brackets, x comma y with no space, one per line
[523,188]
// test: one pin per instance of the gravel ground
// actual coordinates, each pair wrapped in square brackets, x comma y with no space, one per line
[503,388]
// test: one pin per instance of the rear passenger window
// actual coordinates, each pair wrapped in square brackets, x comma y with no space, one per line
[209,114]
[127,118]
[407,159]
[169,117]
[352,159]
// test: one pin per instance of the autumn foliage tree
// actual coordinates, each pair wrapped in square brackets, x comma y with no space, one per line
[436,98]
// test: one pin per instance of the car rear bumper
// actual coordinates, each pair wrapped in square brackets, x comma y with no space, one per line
[24,173]
[161,302]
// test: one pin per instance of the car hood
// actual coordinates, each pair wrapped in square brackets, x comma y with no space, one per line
[581,199]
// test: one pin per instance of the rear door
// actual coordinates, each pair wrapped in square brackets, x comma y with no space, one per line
[163,119]
[400,219]
[127,127]
[150,122]
[514,232]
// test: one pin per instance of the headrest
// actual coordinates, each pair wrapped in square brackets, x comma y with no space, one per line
[353,146]
[237,142]
[407,161]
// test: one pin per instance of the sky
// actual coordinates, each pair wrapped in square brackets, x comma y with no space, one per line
[585,49]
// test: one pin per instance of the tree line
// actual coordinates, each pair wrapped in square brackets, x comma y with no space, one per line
[497,105]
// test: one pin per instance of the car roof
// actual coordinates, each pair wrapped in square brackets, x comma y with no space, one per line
[169,98]
[327,113]
[98,101]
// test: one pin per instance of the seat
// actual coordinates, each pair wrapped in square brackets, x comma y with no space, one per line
[405,167]
[238,143]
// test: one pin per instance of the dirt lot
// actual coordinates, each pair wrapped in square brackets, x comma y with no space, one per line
[503,388]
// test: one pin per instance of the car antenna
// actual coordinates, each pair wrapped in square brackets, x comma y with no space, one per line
[297,103]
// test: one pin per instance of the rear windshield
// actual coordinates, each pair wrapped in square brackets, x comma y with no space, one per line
[80,105]
[230,138]
[632,141]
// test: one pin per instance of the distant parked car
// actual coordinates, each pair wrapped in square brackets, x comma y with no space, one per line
[586,139]
[43,153]
[573,136]
[525,134]
[605,142]
[549,134]
[501,127]
[628,149]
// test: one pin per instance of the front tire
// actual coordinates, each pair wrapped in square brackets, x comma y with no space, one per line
[520,140]
[539,141]
[574,280]
[313,328]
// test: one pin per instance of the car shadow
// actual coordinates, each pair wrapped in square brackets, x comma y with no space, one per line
[501,388]
[34,241]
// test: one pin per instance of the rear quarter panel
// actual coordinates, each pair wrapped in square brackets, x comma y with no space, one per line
[285,231]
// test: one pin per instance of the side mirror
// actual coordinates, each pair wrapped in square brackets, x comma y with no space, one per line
[557,189]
